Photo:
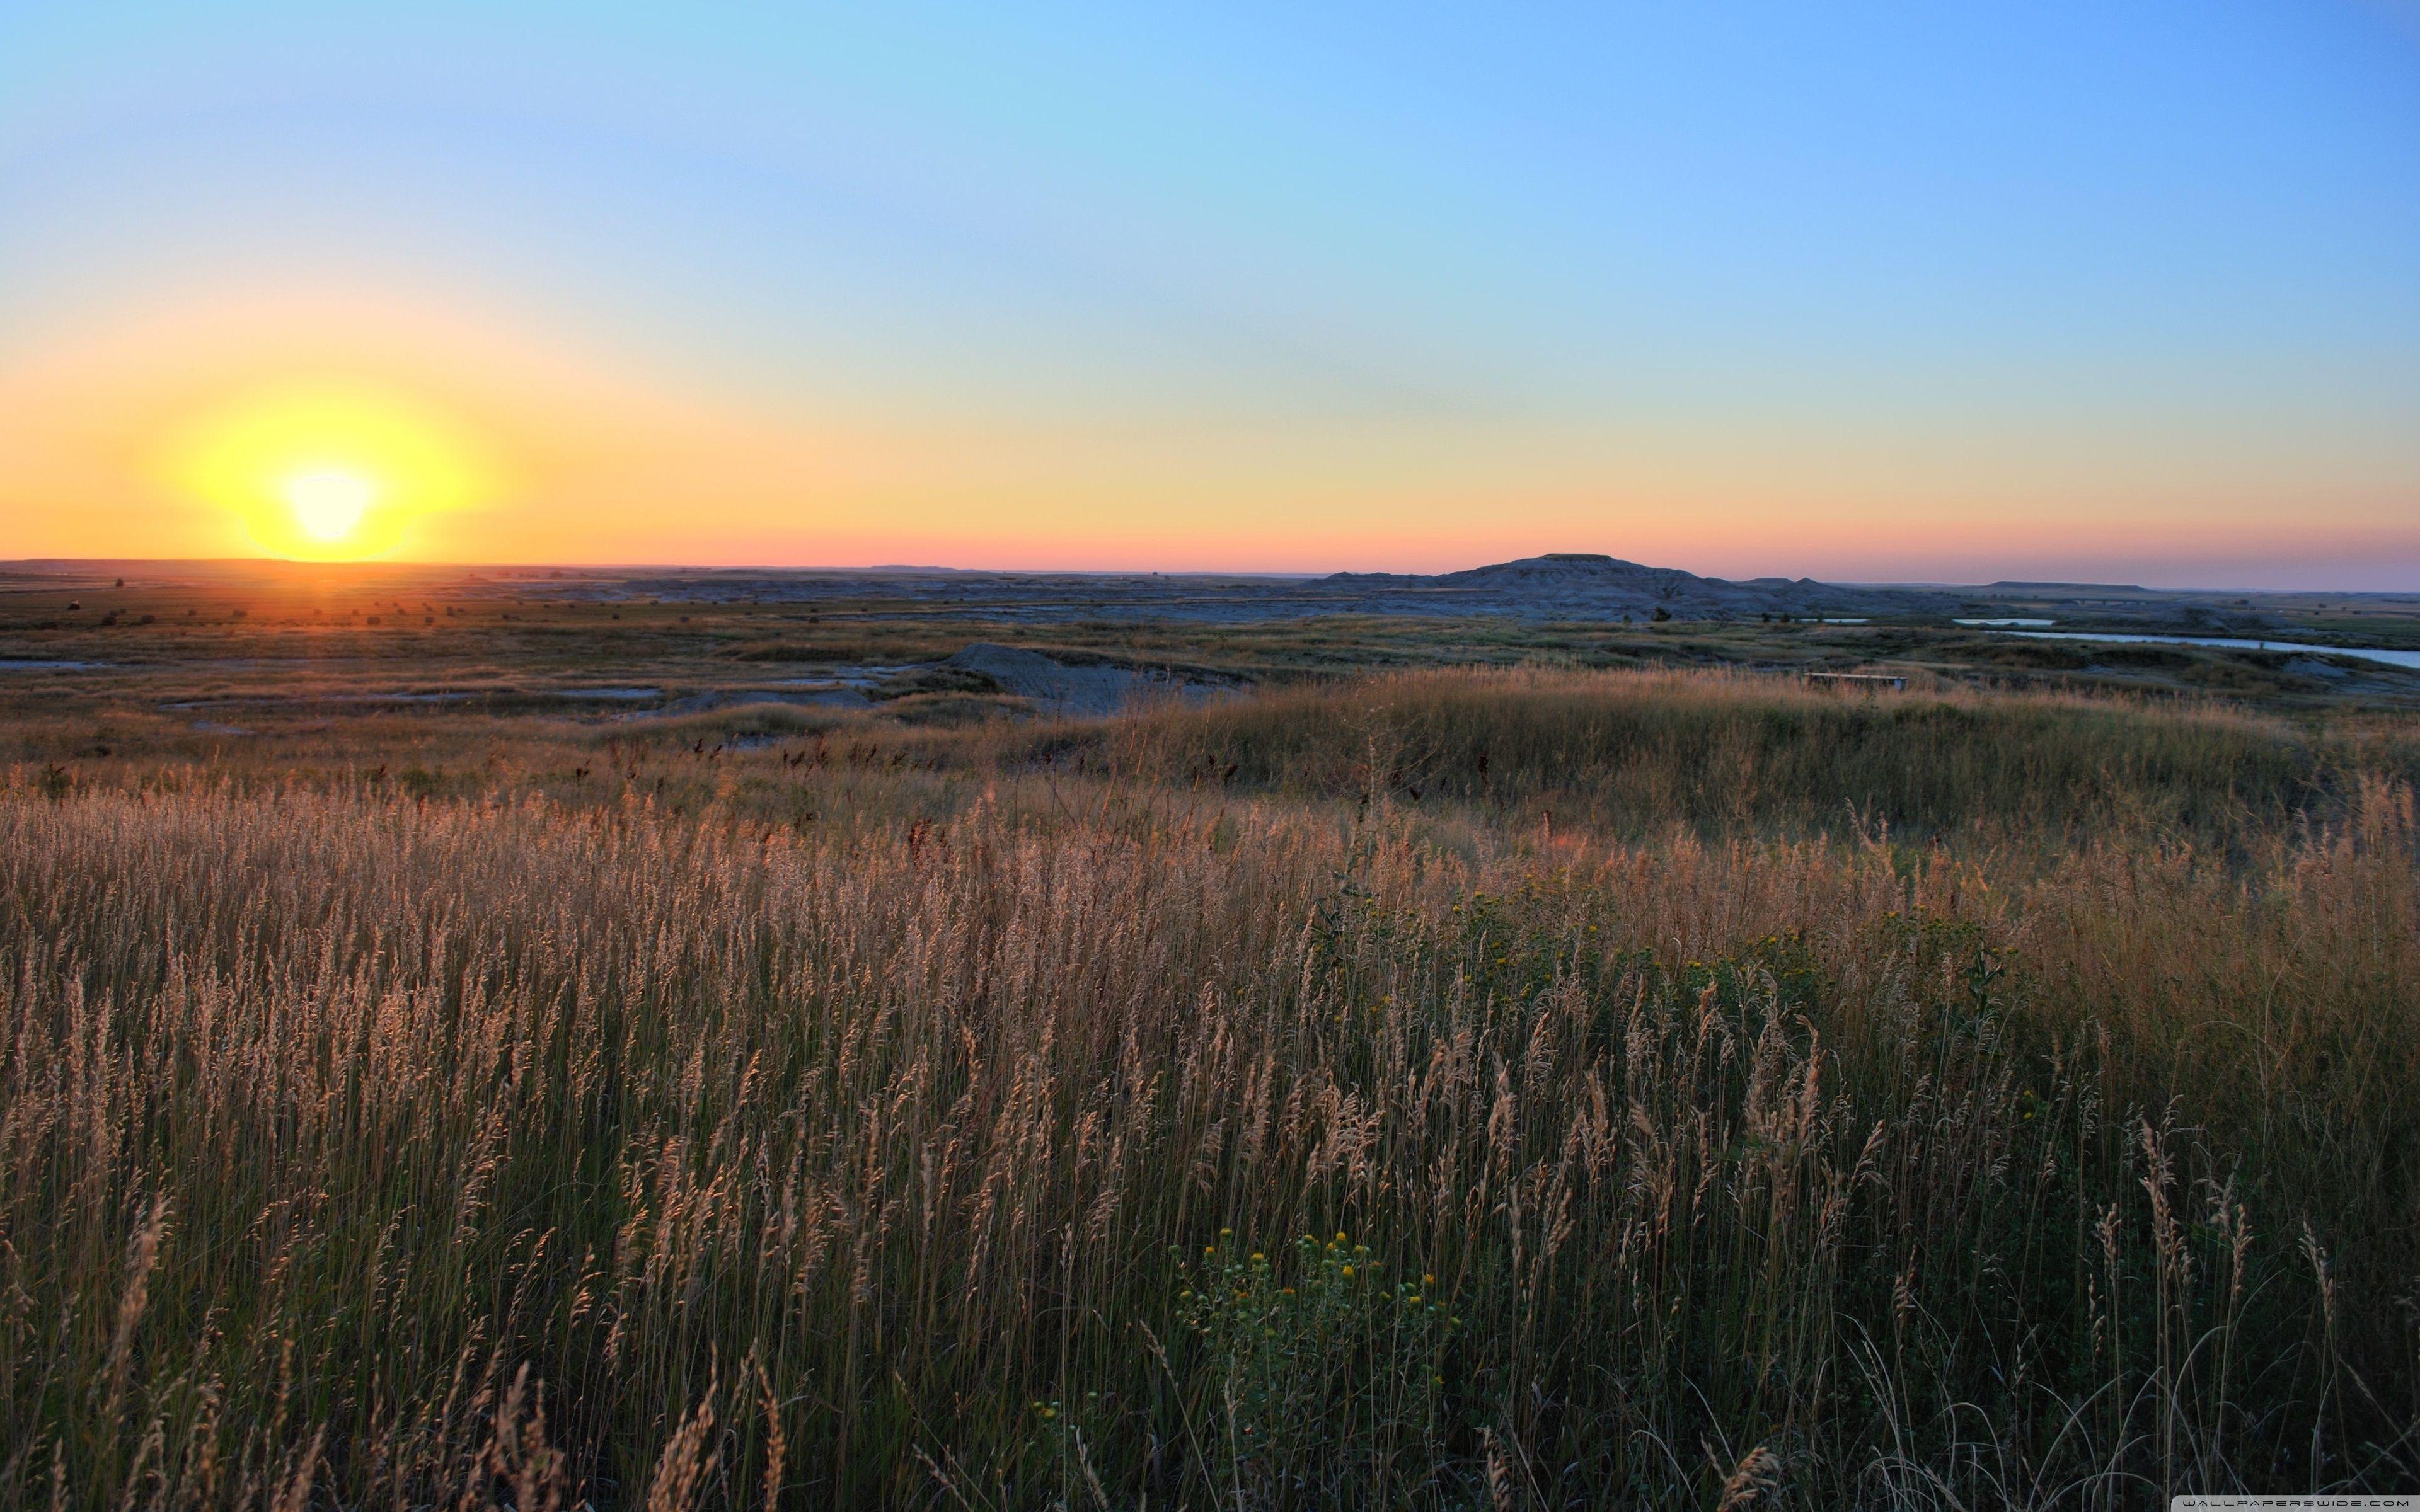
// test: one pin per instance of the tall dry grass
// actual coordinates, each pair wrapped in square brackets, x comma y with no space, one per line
[1726,752]
[1082,1147]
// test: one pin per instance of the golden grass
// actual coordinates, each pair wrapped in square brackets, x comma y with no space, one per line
[1639,752]
[1013,1136]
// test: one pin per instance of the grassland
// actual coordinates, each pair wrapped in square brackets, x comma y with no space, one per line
[227,640]
[1539,1087]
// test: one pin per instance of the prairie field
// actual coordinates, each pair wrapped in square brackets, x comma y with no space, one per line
[1447,1089]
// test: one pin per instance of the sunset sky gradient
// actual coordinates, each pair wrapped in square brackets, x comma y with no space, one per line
[1860,292]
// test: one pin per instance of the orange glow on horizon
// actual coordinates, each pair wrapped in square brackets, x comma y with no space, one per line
[328,426]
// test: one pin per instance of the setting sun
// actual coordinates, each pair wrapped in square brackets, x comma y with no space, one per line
[329,503]
[330,471]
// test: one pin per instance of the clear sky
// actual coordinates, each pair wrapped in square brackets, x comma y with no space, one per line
[1944,291]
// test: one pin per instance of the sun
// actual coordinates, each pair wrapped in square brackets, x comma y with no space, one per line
[332,470]
[329,502]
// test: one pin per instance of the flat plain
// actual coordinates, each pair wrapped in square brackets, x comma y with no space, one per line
[686,1039]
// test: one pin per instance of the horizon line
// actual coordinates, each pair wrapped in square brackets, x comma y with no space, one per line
[1275,575]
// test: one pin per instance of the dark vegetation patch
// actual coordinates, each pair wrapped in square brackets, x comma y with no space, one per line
[931,680]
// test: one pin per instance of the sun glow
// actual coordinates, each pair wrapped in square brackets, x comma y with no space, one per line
[329,471]
[329,503]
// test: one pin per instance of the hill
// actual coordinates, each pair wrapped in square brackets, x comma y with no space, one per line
[1588,585]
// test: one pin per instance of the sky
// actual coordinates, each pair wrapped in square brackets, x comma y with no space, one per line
[1866,292]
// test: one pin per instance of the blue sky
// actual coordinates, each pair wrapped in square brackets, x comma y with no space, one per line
[1868,290]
